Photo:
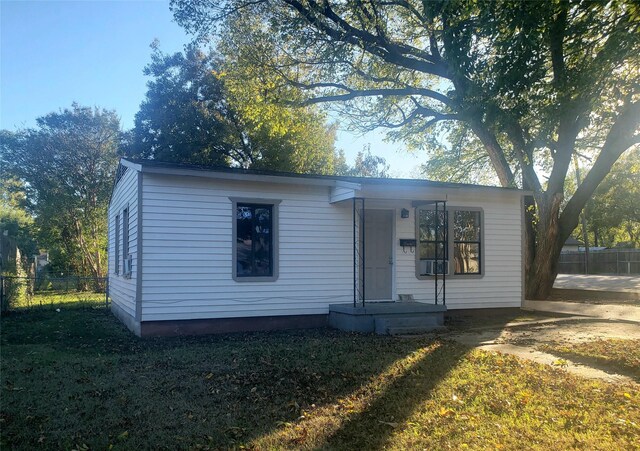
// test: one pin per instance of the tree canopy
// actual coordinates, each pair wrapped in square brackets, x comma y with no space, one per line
[185,117]
[526,84]
[67,164]
[613,214]
[16,224]
[205,108]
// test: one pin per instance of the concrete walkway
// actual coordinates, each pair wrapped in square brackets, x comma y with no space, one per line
[603,311]
[598,283]
[549,359]
[522,339]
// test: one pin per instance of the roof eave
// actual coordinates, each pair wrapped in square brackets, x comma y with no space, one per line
[247,177]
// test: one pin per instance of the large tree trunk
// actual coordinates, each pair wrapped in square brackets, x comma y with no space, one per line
[550,237]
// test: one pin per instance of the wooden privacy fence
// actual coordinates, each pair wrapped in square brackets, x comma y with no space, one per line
[610,261]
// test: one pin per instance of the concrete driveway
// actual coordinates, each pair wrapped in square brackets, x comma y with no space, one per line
[597,283]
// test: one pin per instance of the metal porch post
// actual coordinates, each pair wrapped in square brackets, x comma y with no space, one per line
[355,274]
[364,250]
[446,250]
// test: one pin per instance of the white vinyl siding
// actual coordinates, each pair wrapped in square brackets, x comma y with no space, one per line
[122,290]
[187,242]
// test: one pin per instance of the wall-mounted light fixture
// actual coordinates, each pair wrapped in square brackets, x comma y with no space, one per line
[404,213]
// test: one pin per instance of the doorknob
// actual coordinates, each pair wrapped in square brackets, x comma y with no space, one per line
[391,260]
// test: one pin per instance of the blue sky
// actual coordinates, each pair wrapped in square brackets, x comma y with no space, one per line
[92,52]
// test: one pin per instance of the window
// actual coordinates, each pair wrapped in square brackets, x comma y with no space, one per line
[466,242]
[431,245]
[125,239]
[117,246]
[255,241]
[464,229]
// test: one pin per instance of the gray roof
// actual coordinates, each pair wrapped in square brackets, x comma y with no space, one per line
[362,180]
[571,241]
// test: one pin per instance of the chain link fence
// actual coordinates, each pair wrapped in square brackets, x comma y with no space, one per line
[23,293]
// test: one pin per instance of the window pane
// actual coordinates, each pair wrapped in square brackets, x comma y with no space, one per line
[427,225]
[253,240]
[244,243]
[428,250]
[262,248]
[466,258]
[466,226]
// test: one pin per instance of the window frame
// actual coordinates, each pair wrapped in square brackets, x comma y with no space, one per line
[451,209]
[275,249]
[117,245]
[125,238]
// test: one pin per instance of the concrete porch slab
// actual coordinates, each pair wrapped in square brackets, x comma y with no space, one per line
[387,317]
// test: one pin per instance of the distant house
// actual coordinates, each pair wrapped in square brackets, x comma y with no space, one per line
[572,245]
[195,249]
[41,261]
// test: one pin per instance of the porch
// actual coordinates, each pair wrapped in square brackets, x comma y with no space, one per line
[377,305]
[388,318]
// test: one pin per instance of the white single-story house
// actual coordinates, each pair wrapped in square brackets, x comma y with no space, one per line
[197,249]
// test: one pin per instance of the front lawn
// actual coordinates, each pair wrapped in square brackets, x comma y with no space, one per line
[78,379]
[622,356]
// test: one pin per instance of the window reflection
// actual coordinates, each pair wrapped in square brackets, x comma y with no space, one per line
[254,242]
[466,242]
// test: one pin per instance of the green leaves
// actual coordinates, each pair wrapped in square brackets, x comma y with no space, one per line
[203,108]
[66,165]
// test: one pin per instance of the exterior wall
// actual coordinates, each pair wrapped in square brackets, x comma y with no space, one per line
[501,283]
[122,290]
[187,250]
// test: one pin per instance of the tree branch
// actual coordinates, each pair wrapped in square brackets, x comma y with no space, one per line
[495,152]
[622,135]
[523,154]
[402,55]
[353,93]
[556,43]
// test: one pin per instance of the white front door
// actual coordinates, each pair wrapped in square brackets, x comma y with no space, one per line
[378,243]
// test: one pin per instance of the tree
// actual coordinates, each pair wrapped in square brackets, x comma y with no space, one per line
[368,165]
[16,224]
[67,164]
[185,117]
[202,108]
[534,83]
[290,138]
[614,211]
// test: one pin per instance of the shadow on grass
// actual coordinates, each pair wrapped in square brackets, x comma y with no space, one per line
[218,391]
[373,427]
[462,320]
[215,391]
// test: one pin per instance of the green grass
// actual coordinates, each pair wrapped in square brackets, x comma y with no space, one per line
[78,379]
[60,299]
[622,356]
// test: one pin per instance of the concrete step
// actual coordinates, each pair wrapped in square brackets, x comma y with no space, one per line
[409,324]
